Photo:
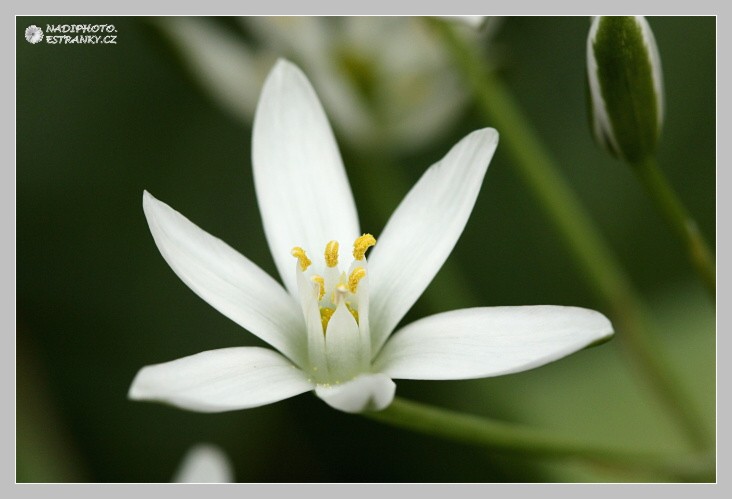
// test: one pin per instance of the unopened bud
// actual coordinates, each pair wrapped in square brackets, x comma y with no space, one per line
[625,86]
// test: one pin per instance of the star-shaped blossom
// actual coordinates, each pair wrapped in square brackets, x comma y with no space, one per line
[332,325]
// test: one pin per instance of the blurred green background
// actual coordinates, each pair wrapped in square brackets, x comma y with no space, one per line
[97,124]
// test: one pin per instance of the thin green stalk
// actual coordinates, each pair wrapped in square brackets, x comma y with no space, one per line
[510,438]
[595,259]
[678,218]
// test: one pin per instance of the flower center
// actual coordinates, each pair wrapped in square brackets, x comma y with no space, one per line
[334,286]
[335,307]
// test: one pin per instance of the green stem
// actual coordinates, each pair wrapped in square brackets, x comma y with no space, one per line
[676,215]
[510,438]
[595,259]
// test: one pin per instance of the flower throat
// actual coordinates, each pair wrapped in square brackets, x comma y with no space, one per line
[336,287]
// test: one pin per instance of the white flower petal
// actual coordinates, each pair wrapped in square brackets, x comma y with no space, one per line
[362,304]
[221,380]
[301,185]
[423,231]
[227,280]
[204,463]
[316,339]
[481,342]
[368,392]
[311,40]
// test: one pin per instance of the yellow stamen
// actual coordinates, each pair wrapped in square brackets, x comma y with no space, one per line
[353,311]
[331,254]
[321,285]
[357,274]
[325,315]
[361,244]
[302,258]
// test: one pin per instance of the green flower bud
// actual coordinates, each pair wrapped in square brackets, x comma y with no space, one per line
[625,86]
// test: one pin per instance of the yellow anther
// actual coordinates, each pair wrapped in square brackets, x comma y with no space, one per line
[357,274]
[361,244]
[331,254]
[325,315]
[321,285]
[299,253]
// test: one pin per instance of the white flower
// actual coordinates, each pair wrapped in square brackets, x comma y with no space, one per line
[332,323]
[382,79]
[204,463]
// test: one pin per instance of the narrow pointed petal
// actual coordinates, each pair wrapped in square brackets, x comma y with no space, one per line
[227,280]
[368,392]
[204,463]
[221,380]
[482,342]
[317,365]
[301,185]
[364,328]
[424,229]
